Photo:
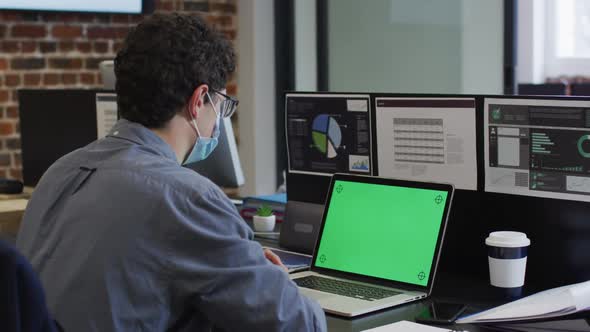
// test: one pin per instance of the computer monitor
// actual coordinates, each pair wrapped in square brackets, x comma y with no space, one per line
[537,147]
[223,166]
[107,74]
[425,138]
[328,133]
[56,122]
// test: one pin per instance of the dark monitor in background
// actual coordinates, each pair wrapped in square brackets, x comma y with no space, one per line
[580,89]
[546,89]
[223,166]
[56,122]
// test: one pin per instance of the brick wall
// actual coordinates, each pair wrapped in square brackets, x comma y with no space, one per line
[62,50]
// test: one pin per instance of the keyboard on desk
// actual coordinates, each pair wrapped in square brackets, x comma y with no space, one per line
[344,288]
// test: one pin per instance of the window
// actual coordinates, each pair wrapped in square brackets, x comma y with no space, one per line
[567,48]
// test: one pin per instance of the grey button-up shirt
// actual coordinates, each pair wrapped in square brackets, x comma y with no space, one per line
[125,239]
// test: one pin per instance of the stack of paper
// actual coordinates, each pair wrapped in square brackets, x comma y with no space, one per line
[555,302]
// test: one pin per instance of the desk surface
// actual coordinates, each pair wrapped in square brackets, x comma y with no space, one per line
[478,295]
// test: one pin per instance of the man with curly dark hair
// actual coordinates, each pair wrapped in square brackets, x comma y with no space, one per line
[125,239]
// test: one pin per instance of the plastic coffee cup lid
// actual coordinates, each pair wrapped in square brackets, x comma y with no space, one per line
[508,239]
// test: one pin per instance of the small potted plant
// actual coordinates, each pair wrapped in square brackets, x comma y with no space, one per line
[264,219]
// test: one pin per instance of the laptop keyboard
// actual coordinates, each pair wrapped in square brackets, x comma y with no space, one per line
[344,288]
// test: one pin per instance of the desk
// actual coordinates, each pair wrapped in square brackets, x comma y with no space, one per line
[11,213]
[477,294]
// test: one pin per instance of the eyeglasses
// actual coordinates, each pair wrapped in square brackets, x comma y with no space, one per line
[228,106]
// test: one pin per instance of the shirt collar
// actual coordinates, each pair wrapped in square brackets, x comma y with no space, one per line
[141,135]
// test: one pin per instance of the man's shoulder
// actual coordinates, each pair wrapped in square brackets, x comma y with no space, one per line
[133,167]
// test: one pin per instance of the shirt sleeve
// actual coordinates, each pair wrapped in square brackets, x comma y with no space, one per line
[216,266]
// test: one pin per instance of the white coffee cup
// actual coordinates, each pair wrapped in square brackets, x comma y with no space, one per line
[507,255]
[264,224]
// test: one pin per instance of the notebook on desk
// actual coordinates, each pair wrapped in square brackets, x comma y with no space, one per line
[378,245]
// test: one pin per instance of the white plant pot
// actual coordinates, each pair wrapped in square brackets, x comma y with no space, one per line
[264,224]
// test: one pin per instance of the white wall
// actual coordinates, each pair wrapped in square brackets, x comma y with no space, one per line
[256,92]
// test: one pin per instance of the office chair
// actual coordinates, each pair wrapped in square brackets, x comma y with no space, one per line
[22,300]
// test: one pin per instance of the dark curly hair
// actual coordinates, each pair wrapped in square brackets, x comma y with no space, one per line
[162,62]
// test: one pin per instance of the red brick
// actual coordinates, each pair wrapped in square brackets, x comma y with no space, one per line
[3,173]
[65,63]
[84,47]
[117,46]
[120,19]
[27,63]
[49,17]
[85,18]
[220,20]
[28,46]
[232,89]
[87,78]
[164,6]
[69,79]
[195,6]
[122,32]
[229,34]
[28,31]
[136,18]
[12,80]
[223,8]
[11,16]
[9,47]
[12,143]
[14,96]
[66,46]
[92,63]
[3,64]
[99,32]
[16,173]
[3,30]
[4,96]
[50,79]
[32,79]
[6,128]
[12,112]
[48,47]
[101,47]
[18,159]
[68,17]
[66,31]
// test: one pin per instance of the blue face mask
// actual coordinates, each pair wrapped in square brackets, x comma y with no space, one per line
[204,145]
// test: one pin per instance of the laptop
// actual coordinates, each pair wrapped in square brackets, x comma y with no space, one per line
[378,245]
[299,230]
[293,261]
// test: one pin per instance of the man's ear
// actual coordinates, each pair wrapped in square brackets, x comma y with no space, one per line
[197,100]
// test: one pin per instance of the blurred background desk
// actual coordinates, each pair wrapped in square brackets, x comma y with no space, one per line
[11,213]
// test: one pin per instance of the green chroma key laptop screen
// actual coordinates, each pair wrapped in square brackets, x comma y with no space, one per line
[382,231]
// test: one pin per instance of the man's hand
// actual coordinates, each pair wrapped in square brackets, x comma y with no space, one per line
[273,258]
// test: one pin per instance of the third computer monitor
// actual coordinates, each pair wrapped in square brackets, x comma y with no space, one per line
[537,147]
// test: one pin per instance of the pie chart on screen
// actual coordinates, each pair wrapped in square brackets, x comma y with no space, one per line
[326,135]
